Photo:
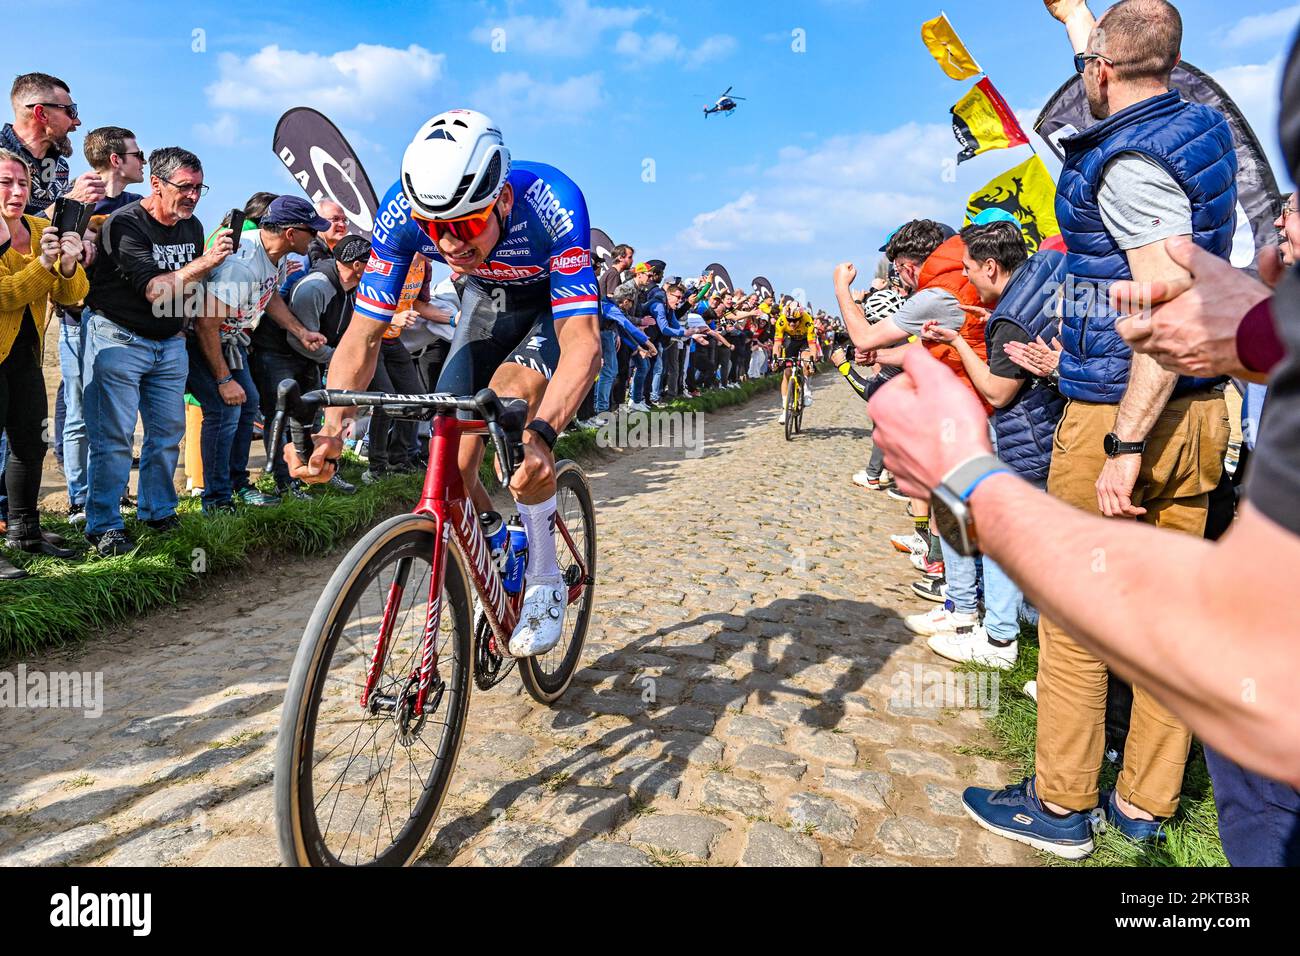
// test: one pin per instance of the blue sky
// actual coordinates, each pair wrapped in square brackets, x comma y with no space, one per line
[838,142]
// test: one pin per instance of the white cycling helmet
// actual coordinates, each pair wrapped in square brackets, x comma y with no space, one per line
[881,304]
[456,165]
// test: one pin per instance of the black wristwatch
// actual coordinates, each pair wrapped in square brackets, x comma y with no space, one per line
[544,431]
[1114,447]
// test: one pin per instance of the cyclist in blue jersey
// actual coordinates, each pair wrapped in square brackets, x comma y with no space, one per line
[528,326]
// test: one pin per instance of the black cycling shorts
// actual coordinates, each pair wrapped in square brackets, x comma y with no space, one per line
[497,326]
[793,348]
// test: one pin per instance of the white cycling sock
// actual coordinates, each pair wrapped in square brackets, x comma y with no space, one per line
[539,525]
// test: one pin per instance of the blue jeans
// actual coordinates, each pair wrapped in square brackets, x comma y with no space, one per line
[608,369]
[640,367]
[1259,818]
[71,354]
[227,435]
[962,575]
[4,498]
[1004,602]
[125,375]
[657,372]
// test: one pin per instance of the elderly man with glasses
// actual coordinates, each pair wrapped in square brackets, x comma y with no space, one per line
[146,283]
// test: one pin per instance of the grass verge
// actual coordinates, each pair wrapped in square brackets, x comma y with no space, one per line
[1194,834]
[66,601]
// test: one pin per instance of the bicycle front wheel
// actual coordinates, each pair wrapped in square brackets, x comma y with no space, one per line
[547,676]
[792,401]
[361,786]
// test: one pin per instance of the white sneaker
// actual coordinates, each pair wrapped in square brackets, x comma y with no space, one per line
[973,645]
[886,478]
[781,420]
[863,479]
[807,396]
[639,407]
[897,495]
[938,621]
[541,619]
[1031,690]
[909,543]
[593,422]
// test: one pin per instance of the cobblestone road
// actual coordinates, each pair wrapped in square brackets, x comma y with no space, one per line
[740,703]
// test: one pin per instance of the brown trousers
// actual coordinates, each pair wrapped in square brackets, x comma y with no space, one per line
[1181,465]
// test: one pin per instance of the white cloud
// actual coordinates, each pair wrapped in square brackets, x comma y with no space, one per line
[1256,89]
[581,28]
[223,131]
[577,30]
[517,97]
[637,50]
[1264,27]
[353,83]
[832,202]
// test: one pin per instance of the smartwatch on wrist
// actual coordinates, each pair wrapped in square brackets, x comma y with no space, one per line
[950,512]
[1114,447]
[542,430]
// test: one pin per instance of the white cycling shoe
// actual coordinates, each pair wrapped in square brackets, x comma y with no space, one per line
[541,619]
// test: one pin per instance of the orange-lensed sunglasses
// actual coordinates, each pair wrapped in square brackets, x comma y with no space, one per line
[464,228]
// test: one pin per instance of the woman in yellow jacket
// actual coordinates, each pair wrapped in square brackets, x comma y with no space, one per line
[38,265]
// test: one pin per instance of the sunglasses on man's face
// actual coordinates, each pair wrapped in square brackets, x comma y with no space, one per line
[465,228]
[69,108]
[1081,60]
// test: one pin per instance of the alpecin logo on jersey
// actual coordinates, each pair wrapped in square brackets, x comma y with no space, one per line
[557,220]
[506,272]
[571,261]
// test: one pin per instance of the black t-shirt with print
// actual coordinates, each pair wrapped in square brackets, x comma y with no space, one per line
[141,249]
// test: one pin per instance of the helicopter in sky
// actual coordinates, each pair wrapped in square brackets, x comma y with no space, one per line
[725,104]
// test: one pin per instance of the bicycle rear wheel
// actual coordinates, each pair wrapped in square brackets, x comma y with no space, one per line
[361,786]
[547,676]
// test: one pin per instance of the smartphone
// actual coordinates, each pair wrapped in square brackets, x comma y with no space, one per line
[68,214]
[234,221]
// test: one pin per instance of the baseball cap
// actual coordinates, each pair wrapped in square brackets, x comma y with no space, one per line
[351,249]
[293,211]
[640,267]
[995,215]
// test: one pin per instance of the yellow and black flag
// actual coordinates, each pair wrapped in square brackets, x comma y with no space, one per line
[1026,192]
[982,120]
[946,47]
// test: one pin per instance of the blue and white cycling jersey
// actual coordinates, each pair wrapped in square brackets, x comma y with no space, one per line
[548,238]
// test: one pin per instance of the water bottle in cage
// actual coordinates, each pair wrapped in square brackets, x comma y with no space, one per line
[498,539]
[517,557]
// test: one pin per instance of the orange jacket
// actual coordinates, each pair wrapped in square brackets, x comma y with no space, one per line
[943,270]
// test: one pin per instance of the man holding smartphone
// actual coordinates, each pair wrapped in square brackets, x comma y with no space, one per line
[239,292]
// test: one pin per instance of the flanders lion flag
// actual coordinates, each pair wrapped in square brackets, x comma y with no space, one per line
[982,120]
[946,47]
[1028,193]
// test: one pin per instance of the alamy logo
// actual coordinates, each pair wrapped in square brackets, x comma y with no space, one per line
[59,689]
[74,908]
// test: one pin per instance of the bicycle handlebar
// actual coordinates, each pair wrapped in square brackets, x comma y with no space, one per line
[505,419]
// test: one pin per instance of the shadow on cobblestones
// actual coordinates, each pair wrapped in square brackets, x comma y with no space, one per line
[648,713]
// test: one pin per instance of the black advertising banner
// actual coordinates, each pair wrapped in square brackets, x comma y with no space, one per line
[1066,113]
[764,287]
[320,159]
[721,277]
[602,247]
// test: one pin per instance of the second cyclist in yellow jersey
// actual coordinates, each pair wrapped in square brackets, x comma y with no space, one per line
[794,334]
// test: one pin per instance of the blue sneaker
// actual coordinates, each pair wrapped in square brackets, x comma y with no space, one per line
[1017,814]
[1139,830]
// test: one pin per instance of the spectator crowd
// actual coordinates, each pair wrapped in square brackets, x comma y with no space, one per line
[1028,356]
